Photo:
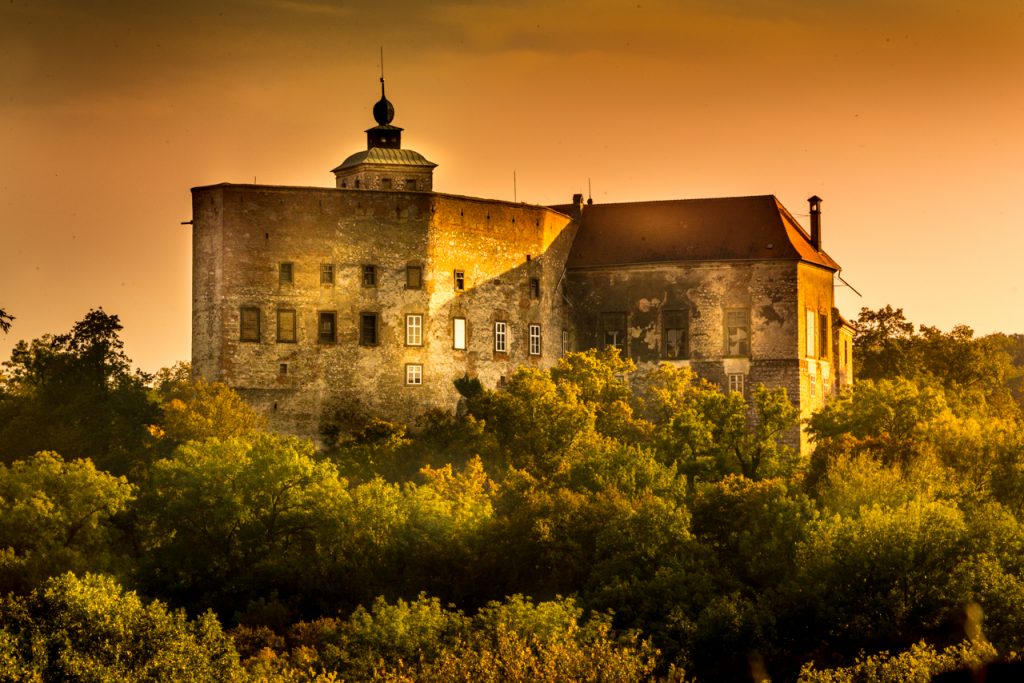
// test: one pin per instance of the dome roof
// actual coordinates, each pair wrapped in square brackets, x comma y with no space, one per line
[386,157]
[383,111]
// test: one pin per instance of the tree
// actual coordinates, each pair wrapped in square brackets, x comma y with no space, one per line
[194,409]
[5,321]
[228,522]
[883,345]
[76,394]
[88,629]
[55,516]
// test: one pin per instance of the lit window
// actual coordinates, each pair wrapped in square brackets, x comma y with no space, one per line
[460,280]
[534,340]
[327,273]
[368,329]
[369,276]
[250,324]
[459,334]
[674,327]
[613,330]
[414,374]
[285,325]
[414,330]
[328,327]
[811,338]
[534,288]
[737,382]
[737,333]
[285,273]
[501,336]
[413,277]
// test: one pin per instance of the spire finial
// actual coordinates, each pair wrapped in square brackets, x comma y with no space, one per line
[383,111]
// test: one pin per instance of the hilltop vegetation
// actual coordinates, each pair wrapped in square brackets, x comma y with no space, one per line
[591,522]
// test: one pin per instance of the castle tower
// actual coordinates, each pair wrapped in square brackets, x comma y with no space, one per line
[385,165]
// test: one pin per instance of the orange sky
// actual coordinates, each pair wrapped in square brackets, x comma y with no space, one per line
[905,116]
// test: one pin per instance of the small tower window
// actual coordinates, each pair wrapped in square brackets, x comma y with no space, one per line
[413,277]
[369,275]
[460,280]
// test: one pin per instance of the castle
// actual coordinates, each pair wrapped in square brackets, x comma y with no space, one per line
[379,292]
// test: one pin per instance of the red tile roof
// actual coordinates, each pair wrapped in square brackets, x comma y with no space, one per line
[728,228]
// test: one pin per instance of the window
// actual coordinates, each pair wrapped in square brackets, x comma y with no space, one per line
[385,183]
[410,184]
[613,330]
[282,369]
[674,326]
[811,338]
[285,273]
[534,288]
[823,345]
[368,325]
[414,374]
[357,183]
[737,333]
[565,342]
[459,334]
[812,385]
[286,325]
[737,382]
[369,276]
[534,340]
[501,336]
[414,330]
[250,324]
[460,280]
[413,277]
[328,327]
[327,273]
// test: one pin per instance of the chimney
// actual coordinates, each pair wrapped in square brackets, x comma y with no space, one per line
[815,203]
[577,204]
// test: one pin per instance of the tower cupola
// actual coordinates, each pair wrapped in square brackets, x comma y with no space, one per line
[385,165]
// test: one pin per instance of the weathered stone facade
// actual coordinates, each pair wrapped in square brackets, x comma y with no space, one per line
[375,295]
[510,258]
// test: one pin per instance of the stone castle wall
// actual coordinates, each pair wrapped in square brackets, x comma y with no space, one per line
[244,233]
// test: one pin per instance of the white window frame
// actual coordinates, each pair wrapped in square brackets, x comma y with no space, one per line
[565,342]
[413,374]
[534,339]
[500,336]
[414,329]
[742,335]
[738,382]
[811,345]
[459,334]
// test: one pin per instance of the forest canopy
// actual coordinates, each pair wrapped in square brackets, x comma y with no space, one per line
[594,521]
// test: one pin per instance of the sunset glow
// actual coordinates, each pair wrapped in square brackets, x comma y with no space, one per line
[904,116]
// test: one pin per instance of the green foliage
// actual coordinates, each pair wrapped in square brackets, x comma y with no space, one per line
[978,372]
[88,629]
[194,409]
[918,664]
[888,418]
[228,521]
[536,421]
[513,640]
[75,394]
[55,516]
